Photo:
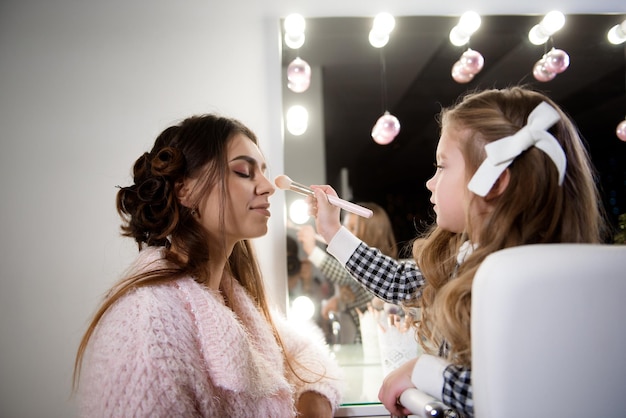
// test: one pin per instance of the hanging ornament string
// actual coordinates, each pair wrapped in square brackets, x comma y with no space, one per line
[383,80]
[387,126]
[621,127]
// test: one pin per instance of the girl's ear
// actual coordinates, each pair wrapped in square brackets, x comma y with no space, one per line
[500,185]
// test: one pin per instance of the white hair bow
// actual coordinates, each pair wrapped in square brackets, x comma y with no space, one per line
[501,153]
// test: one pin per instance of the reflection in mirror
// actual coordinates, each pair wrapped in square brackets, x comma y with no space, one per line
[348,93]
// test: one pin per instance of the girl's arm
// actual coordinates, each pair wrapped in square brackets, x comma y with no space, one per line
[389,279]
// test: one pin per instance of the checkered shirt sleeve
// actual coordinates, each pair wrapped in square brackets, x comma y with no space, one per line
[391,280]
[335,272]
[457,390]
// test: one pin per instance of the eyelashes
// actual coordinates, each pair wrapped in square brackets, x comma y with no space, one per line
[241,174]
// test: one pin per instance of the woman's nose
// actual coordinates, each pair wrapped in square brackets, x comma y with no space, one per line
[265,186]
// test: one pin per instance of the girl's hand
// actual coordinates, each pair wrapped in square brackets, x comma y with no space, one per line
[306,235]
[394,384]
[326,215]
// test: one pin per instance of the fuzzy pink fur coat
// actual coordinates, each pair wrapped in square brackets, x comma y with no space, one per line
[175,350]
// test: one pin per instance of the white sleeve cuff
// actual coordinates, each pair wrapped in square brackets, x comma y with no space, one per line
[343,245]
[428,374]
[317,256]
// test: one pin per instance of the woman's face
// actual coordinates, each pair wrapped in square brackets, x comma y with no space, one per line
[448,186]
[246,209]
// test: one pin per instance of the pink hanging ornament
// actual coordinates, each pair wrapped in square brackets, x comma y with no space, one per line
[472,61]
[621,130]
[298,75]
[556,61]
[386,129]
[541,73]
[460,74]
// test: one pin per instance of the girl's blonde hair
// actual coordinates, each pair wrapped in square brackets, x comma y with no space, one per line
[532,209]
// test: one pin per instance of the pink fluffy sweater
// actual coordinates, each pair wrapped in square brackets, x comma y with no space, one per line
[175,350]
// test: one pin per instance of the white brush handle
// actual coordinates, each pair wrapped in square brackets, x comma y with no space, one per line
[350,207]
[285,182]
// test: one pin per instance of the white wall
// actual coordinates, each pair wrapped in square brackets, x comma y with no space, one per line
[85,86]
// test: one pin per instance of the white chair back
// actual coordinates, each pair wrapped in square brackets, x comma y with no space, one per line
[549,332]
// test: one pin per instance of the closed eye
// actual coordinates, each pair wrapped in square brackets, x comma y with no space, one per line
[241,174]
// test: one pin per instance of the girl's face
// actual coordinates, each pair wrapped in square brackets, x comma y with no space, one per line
[246,209]
[448,186]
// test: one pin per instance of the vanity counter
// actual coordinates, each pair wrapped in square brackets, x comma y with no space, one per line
[363,378]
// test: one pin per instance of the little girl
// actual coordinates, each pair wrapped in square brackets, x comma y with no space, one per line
[511,170]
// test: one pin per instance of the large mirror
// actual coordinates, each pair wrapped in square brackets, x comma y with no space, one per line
[354,83]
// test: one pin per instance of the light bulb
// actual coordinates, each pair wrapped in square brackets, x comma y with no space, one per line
[302,308]
[552,22]
[378,39]
[384,22]
[469,22]
[617,34]
[294,23]
[299,211]
[297,120]
[458,37]
[294,40]
[537,36]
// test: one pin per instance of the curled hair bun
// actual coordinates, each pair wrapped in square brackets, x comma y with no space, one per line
[150,206]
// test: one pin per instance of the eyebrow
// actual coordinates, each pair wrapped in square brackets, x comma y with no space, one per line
[250,161]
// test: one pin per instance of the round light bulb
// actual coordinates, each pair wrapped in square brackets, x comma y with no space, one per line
[302,308]
[553,22]
[294,23]
[384,22]
[299,211]
[617,34]
[297,120]
[378,39]
[537,36]
[469,22]
[294,40]
[458,37]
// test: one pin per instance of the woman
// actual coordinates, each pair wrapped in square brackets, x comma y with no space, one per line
[188,330]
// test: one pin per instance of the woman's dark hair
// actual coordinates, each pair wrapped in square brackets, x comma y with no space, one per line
[152,212]
[154,216]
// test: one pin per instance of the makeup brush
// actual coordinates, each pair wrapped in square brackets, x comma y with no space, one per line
[285,183]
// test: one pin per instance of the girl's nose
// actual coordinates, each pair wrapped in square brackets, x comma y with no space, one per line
[430,183]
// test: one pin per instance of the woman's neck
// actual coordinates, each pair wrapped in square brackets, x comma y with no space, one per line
[214,274]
